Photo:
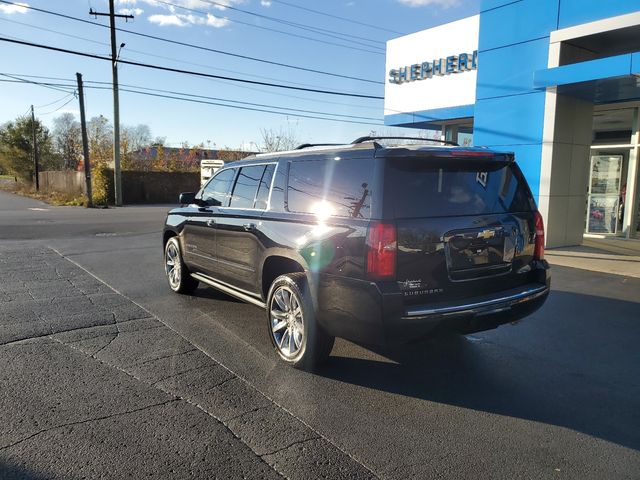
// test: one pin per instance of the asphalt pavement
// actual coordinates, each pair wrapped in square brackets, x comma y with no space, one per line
[554,396]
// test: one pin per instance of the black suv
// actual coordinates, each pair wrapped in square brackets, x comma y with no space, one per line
[376,244]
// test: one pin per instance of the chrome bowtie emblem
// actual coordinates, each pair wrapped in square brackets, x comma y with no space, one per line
[486,234]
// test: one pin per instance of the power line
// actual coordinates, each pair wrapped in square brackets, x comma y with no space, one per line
[184,94]
[280,20]
[38,83]
[189,72]
[377,27]
[140,52]
[240,102]
[203,102]
[291,24]
[199,47]
[251,108]
[54,102]
[61,106]
[321,31]
[323,101]
[228,100]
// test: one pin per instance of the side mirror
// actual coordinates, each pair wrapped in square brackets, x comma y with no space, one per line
[187,198]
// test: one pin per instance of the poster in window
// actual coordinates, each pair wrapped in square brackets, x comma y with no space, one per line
[603,211]
[606,172]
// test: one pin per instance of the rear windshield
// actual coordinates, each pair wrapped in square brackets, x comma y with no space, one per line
[419,187]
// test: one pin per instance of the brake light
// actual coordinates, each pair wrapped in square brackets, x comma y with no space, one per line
[538,252]
[471,153]
[381,251]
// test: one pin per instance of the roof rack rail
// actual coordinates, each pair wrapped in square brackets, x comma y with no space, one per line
[308,145]
[368,139]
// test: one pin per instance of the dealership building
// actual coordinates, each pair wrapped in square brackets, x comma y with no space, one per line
[557,82]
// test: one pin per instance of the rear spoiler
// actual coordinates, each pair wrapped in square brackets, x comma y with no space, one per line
[468,155]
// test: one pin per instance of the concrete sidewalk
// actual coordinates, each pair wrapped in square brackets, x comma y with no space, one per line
[93,386]
[615,256]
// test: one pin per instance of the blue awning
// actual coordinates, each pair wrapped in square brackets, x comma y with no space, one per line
[604,80]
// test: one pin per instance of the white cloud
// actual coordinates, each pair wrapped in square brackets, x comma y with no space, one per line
[180,20]
[265,3]
[17,8]
[216,22]
[126,2]
[131,11]
[173,15]
[425,3]
[164,20]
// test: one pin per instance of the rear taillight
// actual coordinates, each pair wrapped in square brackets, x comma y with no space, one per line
[381,251]
[538,252]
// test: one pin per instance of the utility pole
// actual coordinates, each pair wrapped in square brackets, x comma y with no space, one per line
[85,142]
[35,148]
[116,97]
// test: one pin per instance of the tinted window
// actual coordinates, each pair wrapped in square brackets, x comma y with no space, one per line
[216,192]
[419,188]
[262,197]
[244,191]
[329,187]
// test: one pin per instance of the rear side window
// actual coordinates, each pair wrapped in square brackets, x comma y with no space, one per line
[419,187]
[246,187]
[328,187]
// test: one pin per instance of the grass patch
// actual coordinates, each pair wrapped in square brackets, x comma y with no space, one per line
[7,177]
[52,198]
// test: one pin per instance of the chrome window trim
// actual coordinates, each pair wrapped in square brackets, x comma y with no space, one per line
[254,198]
[273,180]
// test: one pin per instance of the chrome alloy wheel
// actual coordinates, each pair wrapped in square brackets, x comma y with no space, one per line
[287,321]
[173,265]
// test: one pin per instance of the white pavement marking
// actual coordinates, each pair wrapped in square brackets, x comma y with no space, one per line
[36,209]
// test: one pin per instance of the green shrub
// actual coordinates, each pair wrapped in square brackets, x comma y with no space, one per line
[100,184]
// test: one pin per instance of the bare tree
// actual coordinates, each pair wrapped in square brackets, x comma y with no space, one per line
[68,140]
[135,137]
[278,140]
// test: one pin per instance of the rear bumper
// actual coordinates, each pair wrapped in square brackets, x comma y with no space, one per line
[473,316]
[375,312]
[487,306]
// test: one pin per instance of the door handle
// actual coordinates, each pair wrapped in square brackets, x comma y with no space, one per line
[211,223]
[249,226]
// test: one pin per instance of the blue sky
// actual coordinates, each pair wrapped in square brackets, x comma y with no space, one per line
[208,23]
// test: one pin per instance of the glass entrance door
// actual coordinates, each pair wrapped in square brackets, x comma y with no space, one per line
[603,214]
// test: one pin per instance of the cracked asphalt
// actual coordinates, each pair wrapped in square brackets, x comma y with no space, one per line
[104,373]
[95,386]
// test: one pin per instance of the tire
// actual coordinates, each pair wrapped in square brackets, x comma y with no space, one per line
[294,332]
[180,281]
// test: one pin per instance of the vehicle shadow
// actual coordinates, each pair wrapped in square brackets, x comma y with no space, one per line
[214,294]
[11,472]
[574,364]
